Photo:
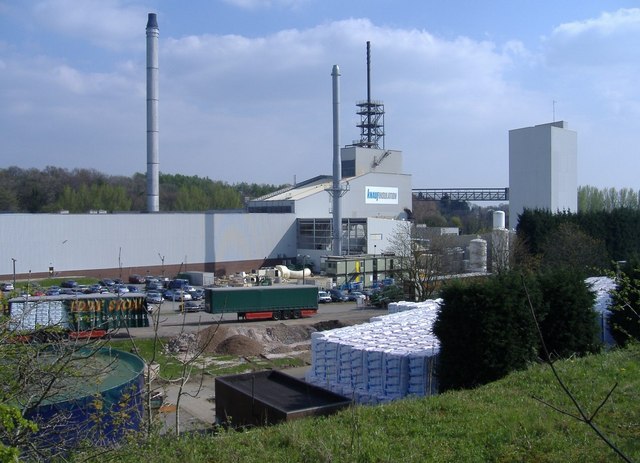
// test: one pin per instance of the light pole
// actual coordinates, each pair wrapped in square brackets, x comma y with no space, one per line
[375,265]
[304,265]
[14,272]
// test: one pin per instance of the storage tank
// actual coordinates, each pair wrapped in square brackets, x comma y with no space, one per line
[498,220]
[478,255]
[100,401]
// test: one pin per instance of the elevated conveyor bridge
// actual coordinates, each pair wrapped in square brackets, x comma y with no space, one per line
[461,194]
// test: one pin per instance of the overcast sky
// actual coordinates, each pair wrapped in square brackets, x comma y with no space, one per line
[245,85]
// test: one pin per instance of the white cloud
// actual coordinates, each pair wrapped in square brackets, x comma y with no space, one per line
[277,91]
[264,4]
[605,25]
[269,98]
[107,23]
[241,108]
[591,68]
[598,42]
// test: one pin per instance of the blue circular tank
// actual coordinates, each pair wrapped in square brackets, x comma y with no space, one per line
[99,401]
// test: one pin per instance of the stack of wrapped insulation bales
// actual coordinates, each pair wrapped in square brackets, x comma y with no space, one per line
[603,286]
[391,357]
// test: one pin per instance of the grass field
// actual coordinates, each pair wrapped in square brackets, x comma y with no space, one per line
[500,422]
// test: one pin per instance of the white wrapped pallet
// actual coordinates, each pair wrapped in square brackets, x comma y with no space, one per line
[389,358]
[29,315]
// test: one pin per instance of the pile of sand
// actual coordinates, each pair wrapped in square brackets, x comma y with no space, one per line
[239,345]
[253,340]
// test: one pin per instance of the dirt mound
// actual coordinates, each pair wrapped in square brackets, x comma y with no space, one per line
[272,339]
[209,338]
[289,334]
[328,325]
[239,345]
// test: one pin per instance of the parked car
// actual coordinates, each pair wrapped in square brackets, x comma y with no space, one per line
[70,291]
[178,283]
[7,287]
[133,289]
[177,295]
[154,297]
[324,296]
[154,284]
[197,294]
[53,291]
[337,295]
[108,282]
[120,289]
[69,284]
[354,295]
[136,279]
[190,306]
[97,288]
[164,280]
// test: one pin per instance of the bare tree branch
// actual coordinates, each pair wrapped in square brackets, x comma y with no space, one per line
[583,417]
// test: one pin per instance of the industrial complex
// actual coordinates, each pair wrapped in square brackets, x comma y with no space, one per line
[368,193]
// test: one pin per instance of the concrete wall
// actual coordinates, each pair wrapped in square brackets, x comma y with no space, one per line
[379,232]
[103,244]
[373,160]
[542,169]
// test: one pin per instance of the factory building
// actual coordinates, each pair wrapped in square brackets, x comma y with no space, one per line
[542,169]
[273,230]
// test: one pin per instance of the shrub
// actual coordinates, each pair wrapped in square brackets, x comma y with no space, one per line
[486,328]
[568,323]
[625,306]
[485,331]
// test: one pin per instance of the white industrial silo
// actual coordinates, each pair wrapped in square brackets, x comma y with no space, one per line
[478,255]
[498,220]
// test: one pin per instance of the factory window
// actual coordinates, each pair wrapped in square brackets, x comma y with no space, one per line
[316,234]
[349,168]
[354,238]
[271,209]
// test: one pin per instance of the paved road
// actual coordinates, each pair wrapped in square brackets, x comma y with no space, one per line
[172,322]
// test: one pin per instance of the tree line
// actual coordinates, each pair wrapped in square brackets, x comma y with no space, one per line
[54,189]
[601,237]
[591,199]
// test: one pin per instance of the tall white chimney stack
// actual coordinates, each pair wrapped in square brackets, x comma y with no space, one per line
[336,233]
[153,161]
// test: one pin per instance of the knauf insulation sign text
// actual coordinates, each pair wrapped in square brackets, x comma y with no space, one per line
[380,195]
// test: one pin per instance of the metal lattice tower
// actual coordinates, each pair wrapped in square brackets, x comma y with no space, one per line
[371,115]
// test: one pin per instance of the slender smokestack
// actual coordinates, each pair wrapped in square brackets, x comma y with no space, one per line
[153,161]
[336,232]
[369,92]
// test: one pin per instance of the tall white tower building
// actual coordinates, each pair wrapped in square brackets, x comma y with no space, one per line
[542,169]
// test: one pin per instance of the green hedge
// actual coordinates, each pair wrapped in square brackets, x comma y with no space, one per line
[625,305]
[486,328]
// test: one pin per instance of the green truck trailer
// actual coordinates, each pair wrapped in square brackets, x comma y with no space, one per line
[279,302]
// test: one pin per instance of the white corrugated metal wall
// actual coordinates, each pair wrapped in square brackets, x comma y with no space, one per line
[94,241]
